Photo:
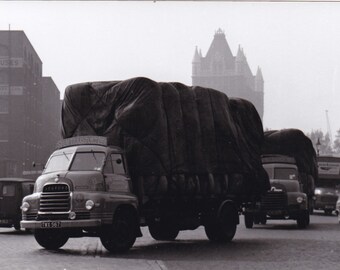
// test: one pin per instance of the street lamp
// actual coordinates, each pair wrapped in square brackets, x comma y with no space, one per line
[318,144]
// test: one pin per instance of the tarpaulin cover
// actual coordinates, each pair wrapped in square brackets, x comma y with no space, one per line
[249,125]
[292,142]
[169,129]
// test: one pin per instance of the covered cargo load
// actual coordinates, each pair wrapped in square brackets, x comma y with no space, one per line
[249,125]
[178,139]
[294,143]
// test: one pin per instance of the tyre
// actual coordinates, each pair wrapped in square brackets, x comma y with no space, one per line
[223,227]
[311,206]
[50,238]
[121,235]
[303,220]
[163,232]
[249,220]
[263,219]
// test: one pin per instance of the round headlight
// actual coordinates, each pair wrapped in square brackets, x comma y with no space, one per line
[299,199]
[89,204]
[25,206]
[317,192]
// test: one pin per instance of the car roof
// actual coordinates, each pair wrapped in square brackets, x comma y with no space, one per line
[16,179]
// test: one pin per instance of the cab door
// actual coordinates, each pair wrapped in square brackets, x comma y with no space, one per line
[116,179]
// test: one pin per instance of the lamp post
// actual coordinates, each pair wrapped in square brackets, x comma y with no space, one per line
[318,144]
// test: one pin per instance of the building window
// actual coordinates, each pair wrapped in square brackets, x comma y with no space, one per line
[3,132]
[3,50]
[3,105]
[3,76]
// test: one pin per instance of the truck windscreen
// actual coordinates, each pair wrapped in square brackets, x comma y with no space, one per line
[88,161]
[285,173]
[59,162]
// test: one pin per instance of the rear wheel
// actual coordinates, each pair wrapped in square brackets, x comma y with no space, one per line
[163,231]
[263,219]
[50,238]
[223,227]
[249,220]
[121,235]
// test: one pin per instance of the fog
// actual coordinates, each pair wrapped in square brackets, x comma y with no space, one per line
[296,45]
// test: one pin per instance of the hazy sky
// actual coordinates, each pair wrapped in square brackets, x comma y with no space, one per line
[297,46]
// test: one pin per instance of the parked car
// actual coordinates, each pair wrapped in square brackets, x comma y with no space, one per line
[12,191]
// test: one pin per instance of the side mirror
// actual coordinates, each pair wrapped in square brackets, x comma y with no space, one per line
[33,164]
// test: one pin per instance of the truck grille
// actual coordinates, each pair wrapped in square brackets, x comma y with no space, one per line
[55,198]
[274,201]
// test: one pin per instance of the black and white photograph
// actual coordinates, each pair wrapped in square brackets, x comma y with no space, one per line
[169,135]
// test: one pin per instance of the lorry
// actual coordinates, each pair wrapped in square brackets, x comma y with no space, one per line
[327,188]
[290,161]
[140,153]
[285,199]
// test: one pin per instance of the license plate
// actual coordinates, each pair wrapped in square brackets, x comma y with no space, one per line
[51,224]
[329,207]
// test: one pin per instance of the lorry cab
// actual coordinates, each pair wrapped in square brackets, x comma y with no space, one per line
[84,190]
[12,191]
[285,199]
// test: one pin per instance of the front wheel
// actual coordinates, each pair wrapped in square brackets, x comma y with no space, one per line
[303,219]
[17,225]
[51,239]
[223,227]
[121,235]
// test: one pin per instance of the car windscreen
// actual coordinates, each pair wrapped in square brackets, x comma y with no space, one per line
[8,190]
[58,162]
[88,161]
[285,173]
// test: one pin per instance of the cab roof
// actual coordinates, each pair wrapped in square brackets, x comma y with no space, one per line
[87,142]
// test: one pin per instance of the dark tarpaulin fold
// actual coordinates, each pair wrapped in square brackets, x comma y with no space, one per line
[192,136]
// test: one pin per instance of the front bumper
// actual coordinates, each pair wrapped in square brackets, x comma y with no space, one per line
[59,224]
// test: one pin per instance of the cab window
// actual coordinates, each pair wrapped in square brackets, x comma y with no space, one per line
[118,164]
[8,190]
[114,164]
